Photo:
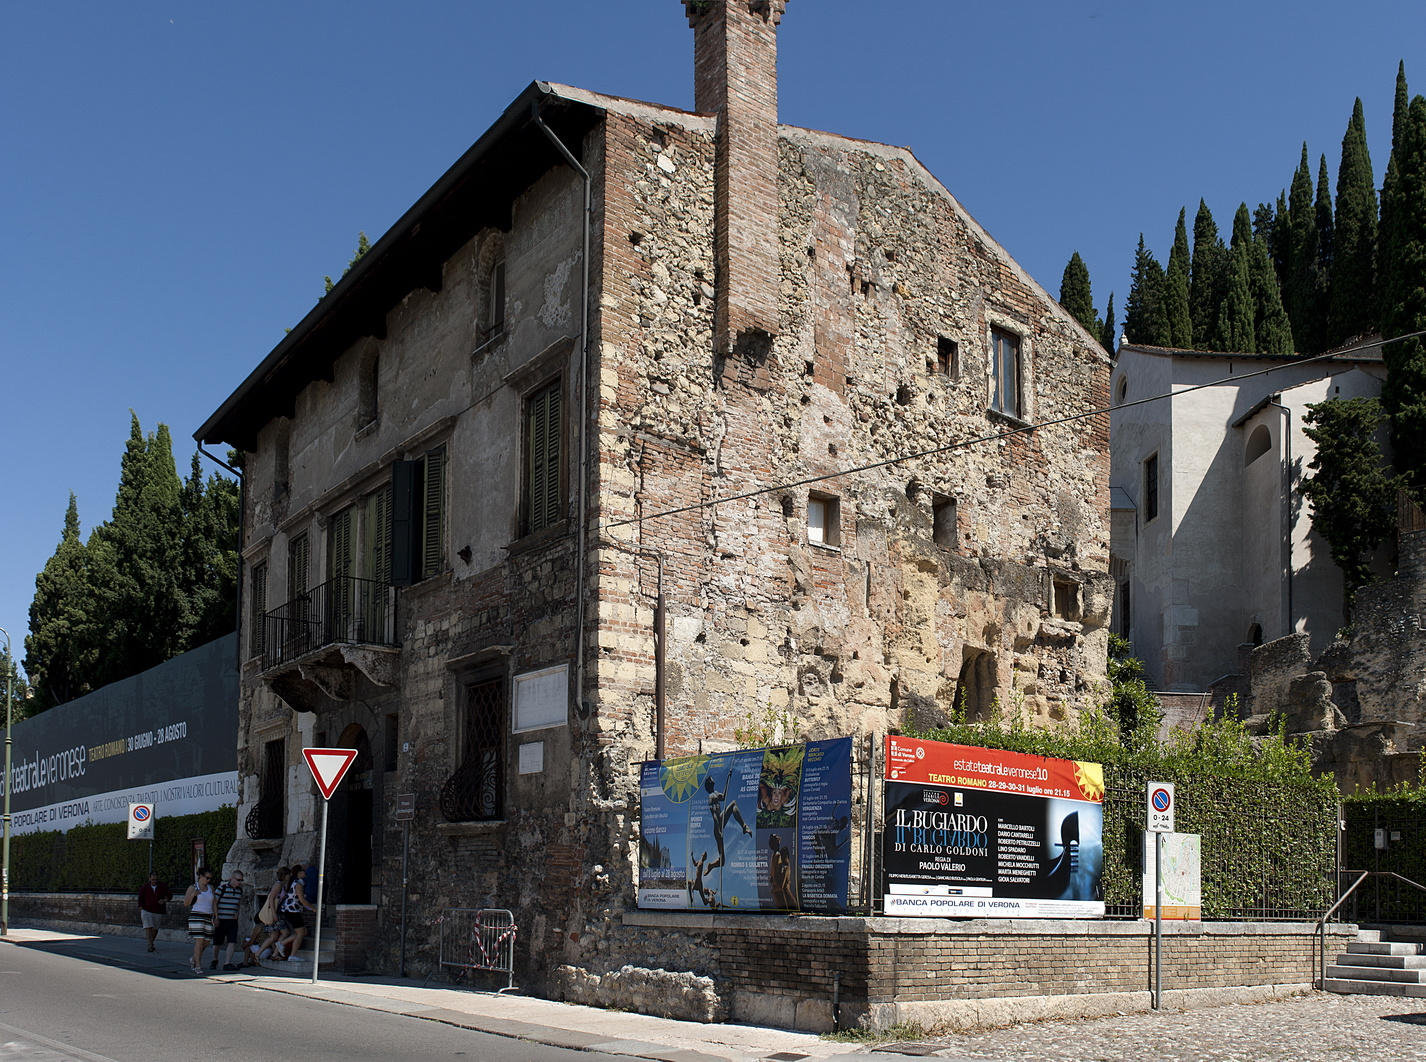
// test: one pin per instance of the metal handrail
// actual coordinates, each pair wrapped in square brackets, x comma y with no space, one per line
[1320,933]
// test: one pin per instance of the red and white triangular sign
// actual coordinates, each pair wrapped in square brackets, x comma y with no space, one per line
[329,766]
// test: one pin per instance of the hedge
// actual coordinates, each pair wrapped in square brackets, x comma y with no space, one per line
[100,858]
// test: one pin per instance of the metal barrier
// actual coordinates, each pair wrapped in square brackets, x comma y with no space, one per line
[477,940]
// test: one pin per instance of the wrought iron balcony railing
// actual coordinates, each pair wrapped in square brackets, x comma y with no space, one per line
[341,611]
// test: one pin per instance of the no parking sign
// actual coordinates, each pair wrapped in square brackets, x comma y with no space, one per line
[1161,801]
[141,822]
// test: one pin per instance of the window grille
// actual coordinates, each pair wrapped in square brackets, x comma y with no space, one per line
[477,789]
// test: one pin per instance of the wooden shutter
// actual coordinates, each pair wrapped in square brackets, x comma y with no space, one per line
[403,497]
[339,557]
[299,554]
[543,453]
[433,510]
[378,537]
[257,631]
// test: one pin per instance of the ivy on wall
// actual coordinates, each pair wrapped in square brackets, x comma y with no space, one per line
[100,858]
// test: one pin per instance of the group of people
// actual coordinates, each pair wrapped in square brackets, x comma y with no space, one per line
[279,924]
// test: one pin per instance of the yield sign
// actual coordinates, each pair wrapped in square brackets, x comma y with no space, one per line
[328,767]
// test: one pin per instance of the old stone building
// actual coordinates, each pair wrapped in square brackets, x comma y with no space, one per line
[620,354]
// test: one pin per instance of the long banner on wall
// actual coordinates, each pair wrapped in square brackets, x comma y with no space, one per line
[166,737]
[754,830]
[982,833]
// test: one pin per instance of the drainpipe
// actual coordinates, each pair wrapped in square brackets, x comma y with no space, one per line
[582,529]
[238,586]
[1287,485]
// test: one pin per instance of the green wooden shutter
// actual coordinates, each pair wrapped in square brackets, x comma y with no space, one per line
[543,453]
[433,512]
[299,553]
[339,571]
[403,495]
[378,537]
[257,632]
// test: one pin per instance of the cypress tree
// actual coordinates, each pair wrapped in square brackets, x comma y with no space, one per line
[1326,242]
[1075,295]
[1353,495]
[1282,240]
[1144,311]
[209,556]
[1271,328]
[1107,338]
[1386,227]
[1206,279]
[1178,320]
[60,621]
[1303,268]
[1235,319]
[1351,300]
[1403,284]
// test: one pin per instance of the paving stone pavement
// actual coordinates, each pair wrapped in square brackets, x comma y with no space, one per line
[1320,1027]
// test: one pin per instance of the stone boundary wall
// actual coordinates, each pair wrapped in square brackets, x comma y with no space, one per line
[785,971]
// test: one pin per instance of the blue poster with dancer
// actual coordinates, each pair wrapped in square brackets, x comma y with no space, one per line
[753,830]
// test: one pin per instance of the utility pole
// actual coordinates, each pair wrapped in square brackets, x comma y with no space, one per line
[5,855]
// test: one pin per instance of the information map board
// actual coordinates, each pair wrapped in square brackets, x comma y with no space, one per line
[754,830]
[981,833]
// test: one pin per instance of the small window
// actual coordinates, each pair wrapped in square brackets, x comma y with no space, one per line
[281,460]
[1126,615]
[541,699]
[823,520]
[1259,443]
[1122,391]
[367,407]
[476,791]
[943,522]
[1005,373]
[544,455]
[975,687]
[1151,488]
[392,741]
[947,357]
[496,310]
[1066,599]
[257,614]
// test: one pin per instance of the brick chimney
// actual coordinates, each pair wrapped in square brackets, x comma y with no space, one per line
[735,77]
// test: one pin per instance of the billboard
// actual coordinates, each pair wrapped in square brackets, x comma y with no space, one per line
[754,830]
[167,737]
[980,833]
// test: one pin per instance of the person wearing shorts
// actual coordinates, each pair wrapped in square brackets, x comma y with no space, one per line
[227,898]
[199,901]
[153,905]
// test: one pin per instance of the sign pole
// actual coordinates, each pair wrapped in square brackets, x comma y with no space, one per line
[321,877]
[405,852]
[1158,921]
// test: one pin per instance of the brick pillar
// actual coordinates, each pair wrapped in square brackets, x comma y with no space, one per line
[356,935]
[735,77]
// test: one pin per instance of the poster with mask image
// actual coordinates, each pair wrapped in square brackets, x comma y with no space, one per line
[981,833]
[752,830]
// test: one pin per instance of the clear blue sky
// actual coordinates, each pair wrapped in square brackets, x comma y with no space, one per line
[176,178]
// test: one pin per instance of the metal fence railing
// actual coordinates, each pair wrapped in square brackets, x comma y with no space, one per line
[474,939]
[345,611]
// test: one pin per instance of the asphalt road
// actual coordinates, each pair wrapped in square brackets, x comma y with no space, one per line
[59,1003]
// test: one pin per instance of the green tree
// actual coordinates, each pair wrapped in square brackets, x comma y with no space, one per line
[1353,493]
[1075,295]
[135,563]
[1135,709]
[1207,278]
[1271,328]
[1178,319]
[1326,229]
[57,647]
[209,556]
[1300,291]
[1403,284]
[1144,311]
[20,705]
[1390,204]
[361,248]
[1351,304]
[1236,318]
[1107,338]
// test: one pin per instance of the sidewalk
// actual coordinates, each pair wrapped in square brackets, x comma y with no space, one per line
[520,1017]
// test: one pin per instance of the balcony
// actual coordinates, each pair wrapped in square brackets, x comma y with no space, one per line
[315,645]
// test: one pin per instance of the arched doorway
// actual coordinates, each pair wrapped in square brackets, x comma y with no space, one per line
[349,825]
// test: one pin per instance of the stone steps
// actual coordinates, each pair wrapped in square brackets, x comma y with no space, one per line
[1375,967]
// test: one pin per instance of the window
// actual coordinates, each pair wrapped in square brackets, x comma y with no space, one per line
[341,534]
[541,698]
[1005,372]
[268,817]
[367,405]
[543,459]
[476,791]
[947,357]
[1126,615]
[1259,443]
[299,556]
[1122,392]
[495,312]
[281,459]
[376,560]
[944,522]
[975,687]
[1151,488]
[824,519]
[418,517]
[391,739]
[257,614]
[1066,599]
